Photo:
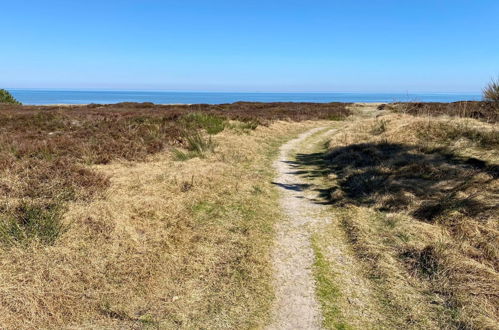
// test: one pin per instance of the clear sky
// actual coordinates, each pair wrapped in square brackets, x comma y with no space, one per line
[272,45]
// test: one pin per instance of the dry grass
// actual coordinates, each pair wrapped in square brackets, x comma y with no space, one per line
[134,238]
[45,151]
[417,199]
[491,91]
[484,111]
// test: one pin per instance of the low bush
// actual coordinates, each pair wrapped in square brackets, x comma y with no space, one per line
[6,97]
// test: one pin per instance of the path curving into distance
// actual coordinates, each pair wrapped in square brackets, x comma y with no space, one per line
[296,306]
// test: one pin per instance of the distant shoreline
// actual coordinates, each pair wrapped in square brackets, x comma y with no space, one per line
[54,97]
[214,104]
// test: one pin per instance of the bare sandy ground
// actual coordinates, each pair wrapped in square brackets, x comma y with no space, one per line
[296,306]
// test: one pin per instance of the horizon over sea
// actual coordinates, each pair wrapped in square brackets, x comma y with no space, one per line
[52,96]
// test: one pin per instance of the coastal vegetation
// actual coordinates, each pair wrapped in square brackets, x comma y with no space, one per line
[101,225]
[491,91]
[415,201]
[7,98]
[483,111]
[162,216]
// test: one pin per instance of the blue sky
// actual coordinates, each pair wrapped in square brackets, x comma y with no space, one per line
[363,46]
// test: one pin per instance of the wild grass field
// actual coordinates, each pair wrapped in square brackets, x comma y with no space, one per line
[147,216]
[135,215]
[415,201]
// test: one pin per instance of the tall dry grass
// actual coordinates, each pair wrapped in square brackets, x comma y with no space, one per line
[104,229]
[491,91]
[417,198]
[45,151]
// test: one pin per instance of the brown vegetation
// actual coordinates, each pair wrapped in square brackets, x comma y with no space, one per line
[485,111]
[245,111]
[44,150]
[100,227]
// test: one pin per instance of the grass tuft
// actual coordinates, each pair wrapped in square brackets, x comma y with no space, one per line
[379,127]
[197,146]
[491,91]
[212,124]
[245,126]
[448,132]
[423,261]
[31,222]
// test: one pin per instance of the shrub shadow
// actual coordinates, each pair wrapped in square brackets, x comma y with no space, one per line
[394,177]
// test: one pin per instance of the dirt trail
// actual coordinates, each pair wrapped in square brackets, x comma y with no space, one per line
[296,306]
[308,216]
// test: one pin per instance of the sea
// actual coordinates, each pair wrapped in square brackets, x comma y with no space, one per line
[46,96]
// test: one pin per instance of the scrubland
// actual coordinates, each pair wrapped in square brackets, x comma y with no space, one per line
[483,111]
[414,204]
[136,216]
[148,216]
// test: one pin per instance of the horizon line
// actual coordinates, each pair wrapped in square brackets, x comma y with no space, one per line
[236,92]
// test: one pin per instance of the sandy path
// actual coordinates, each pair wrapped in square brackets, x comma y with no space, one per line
[296,306]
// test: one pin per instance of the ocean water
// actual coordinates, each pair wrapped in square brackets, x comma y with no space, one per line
[40,97]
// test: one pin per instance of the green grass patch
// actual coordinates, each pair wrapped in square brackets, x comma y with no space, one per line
[197,146]
[31,222]
[212,124]
[327,291]
[244,126]
[207,212]
[335,117]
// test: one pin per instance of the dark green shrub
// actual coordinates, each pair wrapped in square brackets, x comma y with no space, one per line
[6,97]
